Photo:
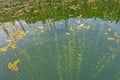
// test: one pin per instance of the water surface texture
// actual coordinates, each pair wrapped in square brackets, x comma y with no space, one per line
[60,40]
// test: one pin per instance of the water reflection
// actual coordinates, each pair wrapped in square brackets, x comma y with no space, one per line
[33,11]
[71,49]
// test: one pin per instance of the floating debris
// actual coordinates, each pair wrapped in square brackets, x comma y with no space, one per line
[9,45]
[106,33]
[3,50]
[71,28]
[83,26]
[109,29]
[42,30]
[13,46]
[67,33]
[87,27]
[79,27]
[110,38]
[116,34]
[13,66]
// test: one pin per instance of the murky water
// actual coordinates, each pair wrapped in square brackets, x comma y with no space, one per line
[67,49]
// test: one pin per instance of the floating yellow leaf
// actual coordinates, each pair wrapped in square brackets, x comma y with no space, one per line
[21,34]
[71,28]
[106,33]
[4,49]
[116,34]
[110,38]
[109,29]
[16,35]
[34,30]
[16,61]
[67,33]
[12,34]
[8,40]
[13,66]
[42,31]
[87,27]
[13,46]
[9,44]
[79,27]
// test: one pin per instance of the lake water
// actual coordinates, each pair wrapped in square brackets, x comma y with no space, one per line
[78,47]
[71,49]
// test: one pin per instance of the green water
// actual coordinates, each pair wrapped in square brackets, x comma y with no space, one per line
[85,54]
[64,39]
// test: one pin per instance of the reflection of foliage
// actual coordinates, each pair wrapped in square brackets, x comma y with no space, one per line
[33,11]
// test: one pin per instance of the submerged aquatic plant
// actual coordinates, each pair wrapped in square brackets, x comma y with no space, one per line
[100,65]
[68,54]
[69,63]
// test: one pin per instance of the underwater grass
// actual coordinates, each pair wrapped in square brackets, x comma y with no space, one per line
[69,67]
[71,52]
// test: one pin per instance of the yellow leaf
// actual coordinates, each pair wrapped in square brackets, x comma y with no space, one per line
[110,38]
[71,28]
[67,33]
[13,66]
[87,27]
[9,65]
[42,31]
[109,29]
[9,44]
[106,33]
[13,46]
[20,35]
[116,34]
[79,27]
[16,61]
[4,49]
[34,30]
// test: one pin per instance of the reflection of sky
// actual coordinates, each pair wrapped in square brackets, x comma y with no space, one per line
[61,25]
[2,37]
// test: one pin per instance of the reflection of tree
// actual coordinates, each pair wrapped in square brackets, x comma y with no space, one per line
[33,11]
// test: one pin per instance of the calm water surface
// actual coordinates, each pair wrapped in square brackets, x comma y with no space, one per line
[67,49]
[59,40]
